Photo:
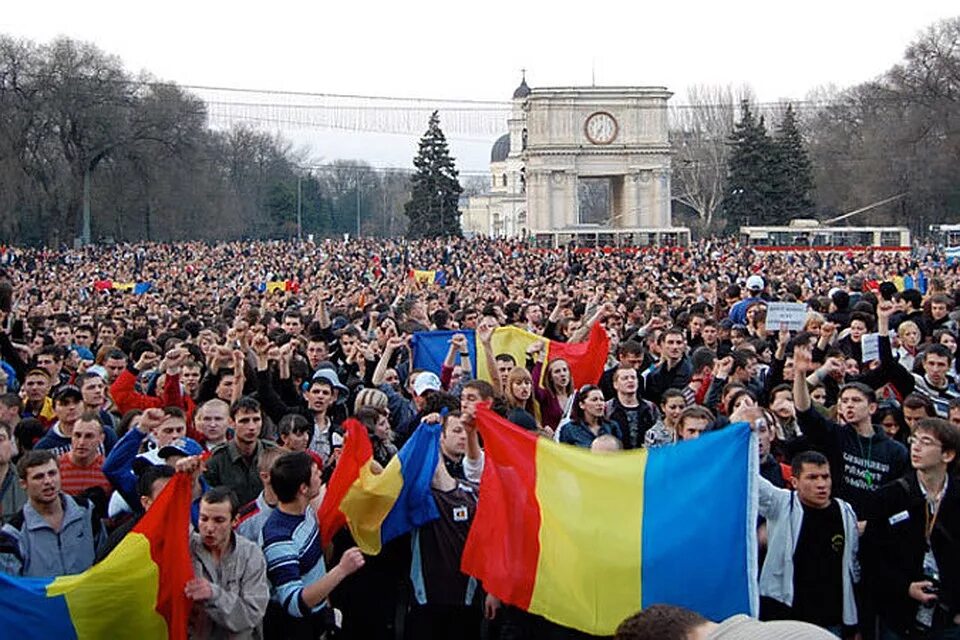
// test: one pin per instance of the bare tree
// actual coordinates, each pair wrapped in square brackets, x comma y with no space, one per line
[699,130]
[897,134]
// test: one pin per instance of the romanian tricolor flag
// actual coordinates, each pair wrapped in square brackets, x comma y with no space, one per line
[138,288]
[587,539]
[136,592]
[423,276]
[281,285]
[586,359]
[380,505]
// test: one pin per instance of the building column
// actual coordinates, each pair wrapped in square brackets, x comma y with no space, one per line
[561,214]
[537,206]
[570,199]
[647,199]
[667,219]
[630,201]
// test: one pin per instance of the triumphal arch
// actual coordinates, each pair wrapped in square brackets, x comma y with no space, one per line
[596,156]
[580,163]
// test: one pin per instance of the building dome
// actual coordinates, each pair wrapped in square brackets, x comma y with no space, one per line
[522,91]
[501,148]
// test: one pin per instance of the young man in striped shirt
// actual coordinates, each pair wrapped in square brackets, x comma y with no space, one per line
[82,466]
[299,581]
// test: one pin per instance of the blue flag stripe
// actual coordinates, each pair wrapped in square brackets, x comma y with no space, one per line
[27,613]
[415,505]
[699,527]
[430,349]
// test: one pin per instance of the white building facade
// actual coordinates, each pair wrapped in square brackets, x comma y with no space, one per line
[560,139]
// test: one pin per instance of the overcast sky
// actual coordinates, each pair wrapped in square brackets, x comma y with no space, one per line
[461,50]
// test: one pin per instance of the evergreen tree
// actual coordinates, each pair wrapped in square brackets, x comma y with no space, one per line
[433,208]
[751,183]
[794,172]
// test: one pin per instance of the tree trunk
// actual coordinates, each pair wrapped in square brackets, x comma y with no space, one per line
[85,236]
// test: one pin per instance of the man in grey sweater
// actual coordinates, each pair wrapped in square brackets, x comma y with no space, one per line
[230,591]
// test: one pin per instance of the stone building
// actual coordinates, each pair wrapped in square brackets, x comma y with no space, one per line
[577,159]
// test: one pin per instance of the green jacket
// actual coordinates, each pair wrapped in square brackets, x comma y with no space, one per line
[226,467]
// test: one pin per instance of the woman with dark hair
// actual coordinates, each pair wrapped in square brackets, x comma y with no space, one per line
[588,419]
[377,422]
[890,417]
[553,394]
[128,421]
[740,400]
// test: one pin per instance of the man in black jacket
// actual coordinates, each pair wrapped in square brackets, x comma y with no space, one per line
[674,369]
[862,457]
[912,555]
[634,414]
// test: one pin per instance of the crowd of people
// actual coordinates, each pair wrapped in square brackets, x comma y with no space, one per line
[238,363]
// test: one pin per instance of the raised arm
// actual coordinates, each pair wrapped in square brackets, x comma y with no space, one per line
[485,337]
[605,310]
[802,362]
[393,343]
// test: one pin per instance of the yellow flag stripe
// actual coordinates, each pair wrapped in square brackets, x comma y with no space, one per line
[512,340]
[369,500]
[424,276]
[585,506]
[127,578]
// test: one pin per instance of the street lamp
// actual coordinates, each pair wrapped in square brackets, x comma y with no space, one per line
[299,207]
[358,202]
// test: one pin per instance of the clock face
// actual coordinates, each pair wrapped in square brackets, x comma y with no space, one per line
[601,128]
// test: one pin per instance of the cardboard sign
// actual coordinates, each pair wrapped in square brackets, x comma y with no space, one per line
[793,314]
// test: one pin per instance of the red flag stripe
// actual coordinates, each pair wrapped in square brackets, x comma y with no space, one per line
[585,359]
[357,451]
[167,526]
[503,546]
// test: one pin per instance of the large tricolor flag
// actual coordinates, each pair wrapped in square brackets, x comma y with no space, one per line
[587,539]
[136,592]
[379,507]
[586,359]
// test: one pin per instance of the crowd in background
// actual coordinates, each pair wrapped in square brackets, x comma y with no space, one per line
[238,363]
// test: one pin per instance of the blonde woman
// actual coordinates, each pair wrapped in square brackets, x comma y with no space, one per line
[813,322]
[909,334]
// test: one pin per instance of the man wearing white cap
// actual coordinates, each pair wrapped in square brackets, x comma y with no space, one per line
[421,384]
[738,312]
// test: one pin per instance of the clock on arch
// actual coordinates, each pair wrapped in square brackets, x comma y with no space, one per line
[601,128]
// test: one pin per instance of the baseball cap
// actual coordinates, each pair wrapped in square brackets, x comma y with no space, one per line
[426,381]
[330,377]
[148,458]
[98,370]
[83,352]
[68,392]
[180,447]
[755,283]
